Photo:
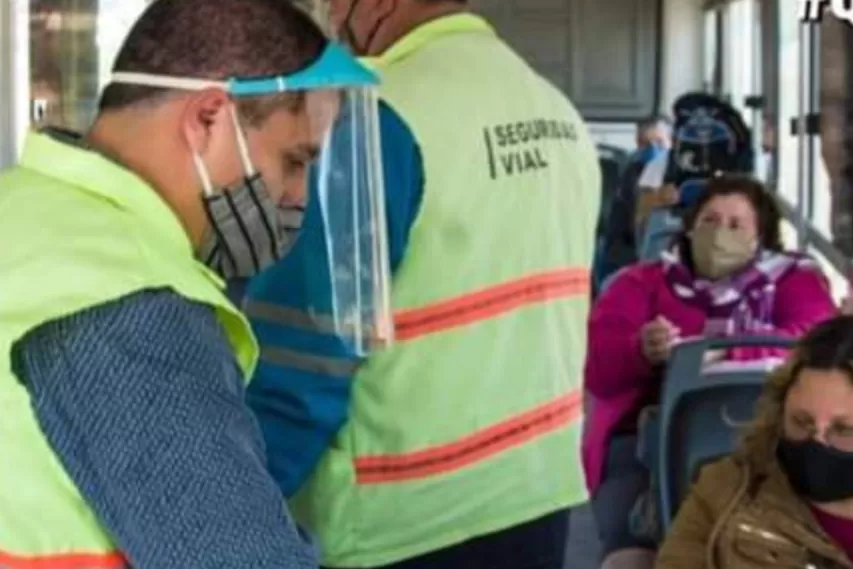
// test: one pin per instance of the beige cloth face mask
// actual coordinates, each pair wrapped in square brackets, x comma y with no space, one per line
[719,252]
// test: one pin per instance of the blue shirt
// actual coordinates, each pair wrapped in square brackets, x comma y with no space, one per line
[301,392]
[143,402]
[646,154]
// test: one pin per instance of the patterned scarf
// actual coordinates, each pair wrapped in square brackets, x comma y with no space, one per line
[741,304]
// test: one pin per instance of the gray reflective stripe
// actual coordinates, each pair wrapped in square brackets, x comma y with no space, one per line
[335,367]
[268,312]
[290,316]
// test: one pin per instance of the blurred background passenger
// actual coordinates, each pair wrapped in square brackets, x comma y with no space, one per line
[727,274]
[654,138]
[617,244]
[785,497]
[710,137]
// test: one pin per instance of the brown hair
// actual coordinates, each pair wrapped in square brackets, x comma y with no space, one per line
[767,213]
[828,347]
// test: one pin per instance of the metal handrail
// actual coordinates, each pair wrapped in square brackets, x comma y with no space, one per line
[814,238]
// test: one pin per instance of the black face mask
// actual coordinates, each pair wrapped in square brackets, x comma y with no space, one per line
[818,473]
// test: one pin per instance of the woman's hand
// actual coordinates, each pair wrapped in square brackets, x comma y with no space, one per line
[658,337]
[714,357]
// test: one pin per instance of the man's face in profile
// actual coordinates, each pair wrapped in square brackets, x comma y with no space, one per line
[652,135]
[287,143]
[644,137]
[661,137]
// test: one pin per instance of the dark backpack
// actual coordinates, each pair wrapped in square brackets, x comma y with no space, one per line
[709,137]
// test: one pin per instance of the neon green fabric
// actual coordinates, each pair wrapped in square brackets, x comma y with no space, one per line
[78,231]
[510,206]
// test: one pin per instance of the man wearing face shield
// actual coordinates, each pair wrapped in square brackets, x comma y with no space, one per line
[124,437]
[458,445]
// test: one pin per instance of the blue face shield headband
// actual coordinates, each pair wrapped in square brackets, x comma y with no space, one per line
[250,229]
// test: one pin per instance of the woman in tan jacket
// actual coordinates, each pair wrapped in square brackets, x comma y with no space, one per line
[784,499]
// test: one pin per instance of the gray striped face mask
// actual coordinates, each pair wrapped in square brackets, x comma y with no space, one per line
[248,231]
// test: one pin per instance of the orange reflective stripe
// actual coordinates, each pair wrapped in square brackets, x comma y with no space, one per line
[473,448]
[491,302]
[68,561]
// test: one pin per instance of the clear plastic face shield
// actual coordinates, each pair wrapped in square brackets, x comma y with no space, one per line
[348,181]
[334,137]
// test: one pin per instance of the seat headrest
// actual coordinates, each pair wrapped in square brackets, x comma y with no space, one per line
[710,137]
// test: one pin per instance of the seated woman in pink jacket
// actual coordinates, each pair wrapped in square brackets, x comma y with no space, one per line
[726,275]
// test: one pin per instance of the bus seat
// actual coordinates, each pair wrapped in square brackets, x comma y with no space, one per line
[612,161]
[701,413]
[690,191]
[662,226]
[605,284]
[665,223]
[648,427]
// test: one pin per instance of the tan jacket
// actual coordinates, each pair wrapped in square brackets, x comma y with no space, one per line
[743,514]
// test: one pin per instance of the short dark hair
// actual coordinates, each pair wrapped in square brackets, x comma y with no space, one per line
[216,39]
[767,212]
[654,121]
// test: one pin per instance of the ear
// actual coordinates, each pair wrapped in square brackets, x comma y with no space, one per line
[204,116]
[363,14]
[384,8]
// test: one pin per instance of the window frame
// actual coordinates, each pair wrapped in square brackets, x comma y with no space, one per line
[14,79]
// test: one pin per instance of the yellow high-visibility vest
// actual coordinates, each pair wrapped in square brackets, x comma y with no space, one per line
[471,423]
[77,231]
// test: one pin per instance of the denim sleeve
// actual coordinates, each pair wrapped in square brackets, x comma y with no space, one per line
[143,402]
[301,391]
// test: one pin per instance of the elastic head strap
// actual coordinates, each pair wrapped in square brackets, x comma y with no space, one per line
[167,81]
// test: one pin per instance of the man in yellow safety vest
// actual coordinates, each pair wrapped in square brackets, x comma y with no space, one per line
[459,446]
